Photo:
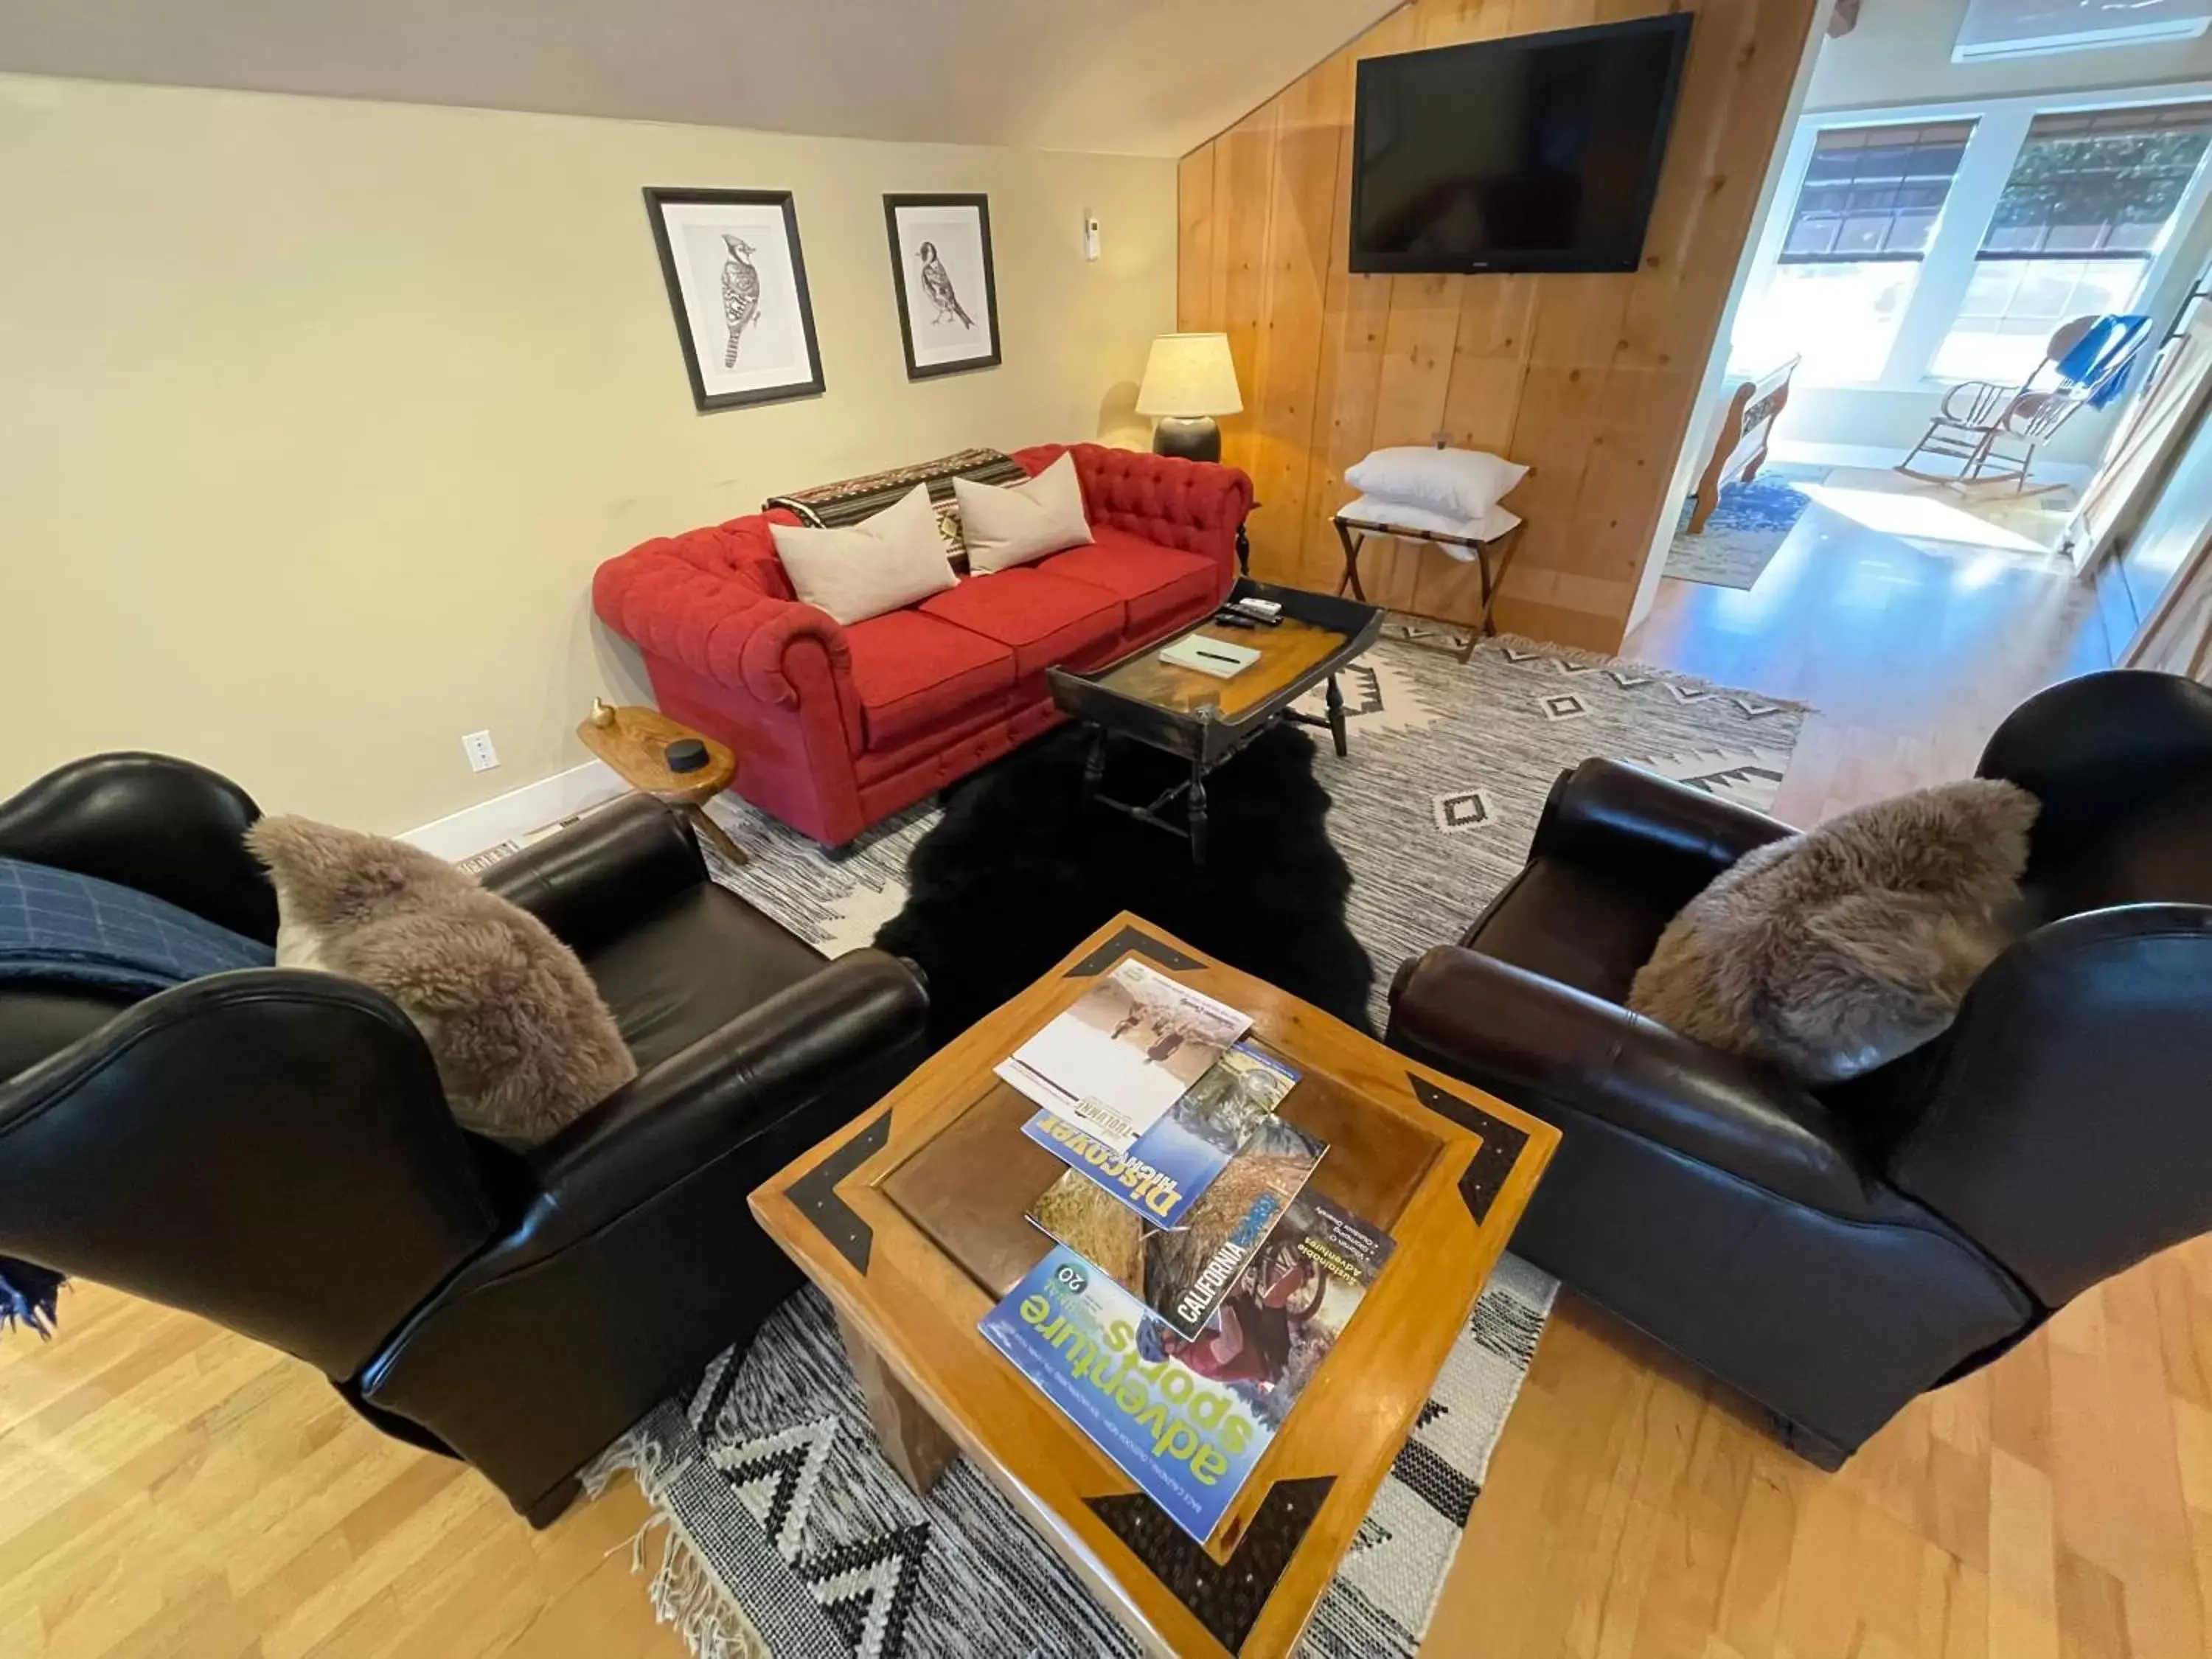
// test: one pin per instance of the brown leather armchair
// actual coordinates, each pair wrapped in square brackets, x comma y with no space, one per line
[1833,1253]
[272,1148]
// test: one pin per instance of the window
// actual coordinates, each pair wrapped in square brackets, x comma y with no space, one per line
[2090,200]
[1864,218]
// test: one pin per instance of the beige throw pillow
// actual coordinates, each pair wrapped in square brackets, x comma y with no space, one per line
[1007,525]
[1831,952]
[523,1042]
[880,564]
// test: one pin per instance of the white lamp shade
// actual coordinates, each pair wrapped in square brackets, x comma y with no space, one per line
[1187,375]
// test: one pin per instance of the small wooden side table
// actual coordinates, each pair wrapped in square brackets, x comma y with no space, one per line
[634,740]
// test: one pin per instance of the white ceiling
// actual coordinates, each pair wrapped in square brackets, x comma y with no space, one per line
[1145,77]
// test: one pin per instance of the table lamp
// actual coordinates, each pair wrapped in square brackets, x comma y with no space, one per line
[1189,379]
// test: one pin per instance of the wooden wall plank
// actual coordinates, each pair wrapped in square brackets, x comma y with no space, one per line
[1244,194]
[1588,380]
[1302,244]
[1196,263]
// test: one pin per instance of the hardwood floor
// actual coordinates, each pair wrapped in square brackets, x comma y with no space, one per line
[166,1489]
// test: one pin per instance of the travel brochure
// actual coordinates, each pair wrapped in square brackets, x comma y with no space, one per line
[1170,1166]
[1197,1281]
[1182,1274]
[1123,1052]
[1188,1419]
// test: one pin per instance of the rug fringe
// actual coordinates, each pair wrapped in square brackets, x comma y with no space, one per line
[685,1591]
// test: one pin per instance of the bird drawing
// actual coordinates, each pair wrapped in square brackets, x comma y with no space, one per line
[740,294]
[940,287]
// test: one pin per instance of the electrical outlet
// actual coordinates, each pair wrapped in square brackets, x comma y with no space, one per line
[476,745]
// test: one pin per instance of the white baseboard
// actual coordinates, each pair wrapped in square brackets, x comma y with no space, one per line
[517,812]
[1872,455]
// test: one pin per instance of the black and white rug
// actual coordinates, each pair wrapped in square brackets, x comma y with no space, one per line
[782,1531]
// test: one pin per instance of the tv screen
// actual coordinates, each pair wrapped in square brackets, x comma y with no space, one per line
[1538,152]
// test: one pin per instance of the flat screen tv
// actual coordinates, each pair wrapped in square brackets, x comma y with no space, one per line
[1538,152]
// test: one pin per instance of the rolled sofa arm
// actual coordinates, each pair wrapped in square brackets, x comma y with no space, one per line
[1543,1045]
[695,600]
[1194,504]
[1649,831]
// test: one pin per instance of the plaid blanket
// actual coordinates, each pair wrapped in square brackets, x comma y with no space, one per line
[832,506]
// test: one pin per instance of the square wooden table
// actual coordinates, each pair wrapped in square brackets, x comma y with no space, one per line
[911,1220]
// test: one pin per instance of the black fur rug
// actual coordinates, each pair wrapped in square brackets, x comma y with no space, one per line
[1018,872]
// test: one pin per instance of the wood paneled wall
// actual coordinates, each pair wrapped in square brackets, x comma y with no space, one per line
[1589,379]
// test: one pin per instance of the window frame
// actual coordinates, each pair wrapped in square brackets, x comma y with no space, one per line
[2000,129]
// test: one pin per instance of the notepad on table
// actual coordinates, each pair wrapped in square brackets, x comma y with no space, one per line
[1209,655]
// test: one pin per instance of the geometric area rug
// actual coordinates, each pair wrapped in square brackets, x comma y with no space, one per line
[782,1531]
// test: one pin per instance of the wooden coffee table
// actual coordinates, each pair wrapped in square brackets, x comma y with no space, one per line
[1205,719]
[911,1220]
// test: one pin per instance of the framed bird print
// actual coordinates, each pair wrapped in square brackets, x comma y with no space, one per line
[736,283]
[948,299]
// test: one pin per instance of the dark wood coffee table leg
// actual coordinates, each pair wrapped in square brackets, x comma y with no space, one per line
[1195,802]
[907,1436]
[1094,764]
[1336,718]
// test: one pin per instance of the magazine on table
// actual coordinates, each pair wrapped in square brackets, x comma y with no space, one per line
[1170,1166]
[1188,1419]
[1286,1310]
[1182,1274]
[1075,1334]
[1114,1061]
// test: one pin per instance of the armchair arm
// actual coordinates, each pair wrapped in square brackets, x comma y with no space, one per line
[695,600]
[638,1261]
[1541,1044]
[270,1149]
[165,827]
[742,1081]
[588,882]
[1648,829]
[1193,505]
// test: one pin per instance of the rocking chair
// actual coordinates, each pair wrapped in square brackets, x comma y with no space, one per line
[2088,357]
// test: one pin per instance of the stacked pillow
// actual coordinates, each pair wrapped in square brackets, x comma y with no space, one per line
[888,562]
[865,569]
[1007,525]
[1454,492]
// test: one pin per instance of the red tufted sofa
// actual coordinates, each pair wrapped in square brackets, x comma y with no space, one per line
[835,728]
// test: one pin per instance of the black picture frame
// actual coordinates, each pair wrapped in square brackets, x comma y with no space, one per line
[657,200]
[915,369]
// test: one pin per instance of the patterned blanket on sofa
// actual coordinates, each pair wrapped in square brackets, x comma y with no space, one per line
[831,506]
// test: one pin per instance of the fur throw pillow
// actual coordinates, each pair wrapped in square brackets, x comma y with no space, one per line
[524,1044]
[1834,952]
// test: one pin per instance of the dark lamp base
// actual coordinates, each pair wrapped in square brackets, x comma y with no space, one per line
[1196,438]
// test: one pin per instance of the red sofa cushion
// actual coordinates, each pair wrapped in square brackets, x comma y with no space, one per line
[910,670]
[1042,619]
[1155,582]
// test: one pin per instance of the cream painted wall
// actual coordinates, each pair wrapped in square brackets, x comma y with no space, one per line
[316,416]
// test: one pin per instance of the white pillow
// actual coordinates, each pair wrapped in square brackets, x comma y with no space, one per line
[1006,525]
[1373,509]
[865,569]
[1460,483]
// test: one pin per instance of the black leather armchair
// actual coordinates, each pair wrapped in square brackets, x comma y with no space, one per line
[272,1148]
[1833,1253]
